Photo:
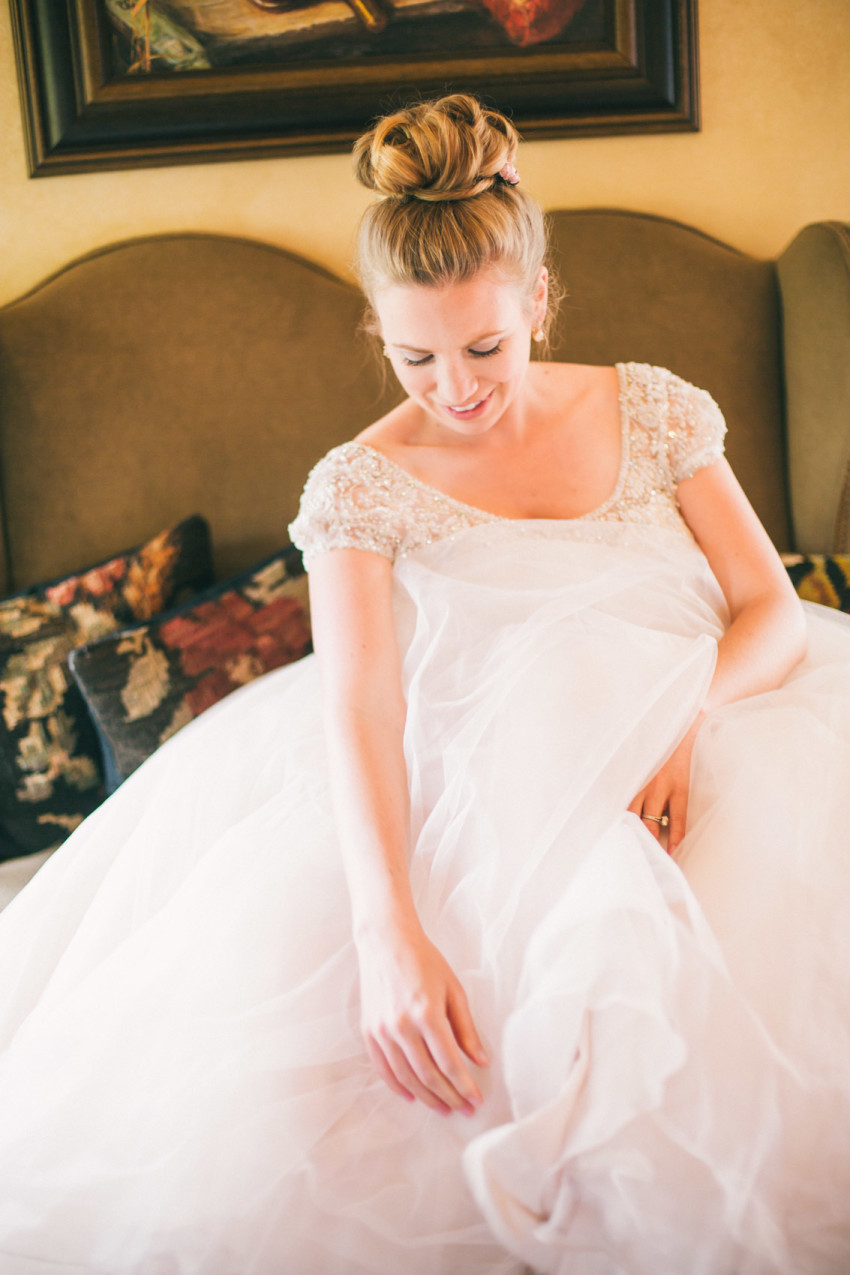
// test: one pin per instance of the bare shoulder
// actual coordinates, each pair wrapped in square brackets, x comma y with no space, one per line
[392,430]
[577,388]
[575,377]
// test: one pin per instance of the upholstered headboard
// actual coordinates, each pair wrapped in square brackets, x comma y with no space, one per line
[198,373]
[167,376]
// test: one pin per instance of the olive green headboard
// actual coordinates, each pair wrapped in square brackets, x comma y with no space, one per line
[168,376]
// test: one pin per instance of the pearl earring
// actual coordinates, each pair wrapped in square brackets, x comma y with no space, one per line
[538,334]
[386,353]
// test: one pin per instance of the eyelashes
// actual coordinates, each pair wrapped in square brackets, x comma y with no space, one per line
[476,354]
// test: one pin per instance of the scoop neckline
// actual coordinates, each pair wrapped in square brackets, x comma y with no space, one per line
[606,504]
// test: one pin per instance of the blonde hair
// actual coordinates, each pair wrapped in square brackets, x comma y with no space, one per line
[445,212]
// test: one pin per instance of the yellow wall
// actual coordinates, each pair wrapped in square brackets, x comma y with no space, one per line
[773,154]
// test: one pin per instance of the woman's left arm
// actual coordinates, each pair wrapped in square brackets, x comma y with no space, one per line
[766,636]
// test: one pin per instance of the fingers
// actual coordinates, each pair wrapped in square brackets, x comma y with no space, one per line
[636,807]
[460,1020]
[667,794]
[416,1023]
[384,1070]
[421,1078]
[650,810]
[647,804]
[422,1056]
[664,814]
[678,821]
[652,825]
[447,1057]
[415,1071]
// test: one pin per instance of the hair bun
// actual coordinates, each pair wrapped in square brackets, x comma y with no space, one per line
[443,150]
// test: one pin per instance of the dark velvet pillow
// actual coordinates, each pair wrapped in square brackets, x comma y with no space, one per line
[144,684]
[50,762]
[821,577]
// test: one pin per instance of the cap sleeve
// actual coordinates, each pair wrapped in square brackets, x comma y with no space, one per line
[695,429]
[345,506]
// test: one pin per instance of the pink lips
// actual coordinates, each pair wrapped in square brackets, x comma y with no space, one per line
[473,412]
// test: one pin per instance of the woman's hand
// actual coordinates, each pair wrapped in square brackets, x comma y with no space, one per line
[416,1021]
[667,793]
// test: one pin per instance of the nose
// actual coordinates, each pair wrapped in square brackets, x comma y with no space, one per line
[456,382]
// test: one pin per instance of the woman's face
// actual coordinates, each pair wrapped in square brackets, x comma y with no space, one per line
[460,351]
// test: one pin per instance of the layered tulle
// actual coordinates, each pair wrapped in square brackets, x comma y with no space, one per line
[183,1087]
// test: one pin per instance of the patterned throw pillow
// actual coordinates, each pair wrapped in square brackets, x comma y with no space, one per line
[50,764]
[144,684]
[821,577]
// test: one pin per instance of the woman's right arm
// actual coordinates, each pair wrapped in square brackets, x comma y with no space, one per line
[414,1014]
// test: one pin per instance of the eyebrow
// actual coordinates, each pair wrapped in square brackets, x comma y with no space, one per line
[414,349]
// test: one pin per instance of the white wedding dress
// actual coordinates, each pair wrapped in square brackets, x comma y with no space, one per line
[183,1086]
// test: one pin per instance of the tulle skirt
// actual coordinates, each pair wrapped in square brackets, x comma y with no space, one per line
[183,1085]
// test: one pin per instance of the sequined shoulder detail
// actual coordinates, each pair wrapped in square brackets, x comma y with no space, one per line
[695,428]
[674,429]
[356,498]
[685,421]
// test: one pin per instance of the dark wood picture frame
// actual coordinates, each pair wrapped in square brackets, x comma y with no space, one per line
[79,115]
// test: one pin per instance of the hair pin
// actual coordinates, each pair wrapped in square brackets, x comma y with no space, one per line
[509,174]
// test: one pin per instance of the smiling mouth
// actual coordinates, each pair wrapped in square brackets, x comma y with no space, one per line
[470,408]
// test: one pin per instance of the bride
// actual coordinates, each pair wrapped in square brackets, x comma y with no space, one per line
[520,941]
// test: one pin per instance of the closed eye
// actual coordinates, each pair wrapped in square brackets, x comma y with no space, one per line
[476,354]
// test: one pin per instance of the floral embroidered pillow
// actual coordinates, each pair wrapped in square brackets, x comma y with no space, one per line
[821,577]
[144,684]
[50,763]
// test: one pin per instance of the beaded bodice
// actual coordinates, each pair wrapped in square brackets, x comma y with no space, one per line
[356,497]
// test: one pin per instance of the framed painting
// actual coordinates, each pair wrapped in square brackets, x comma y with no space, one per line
[120,83]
